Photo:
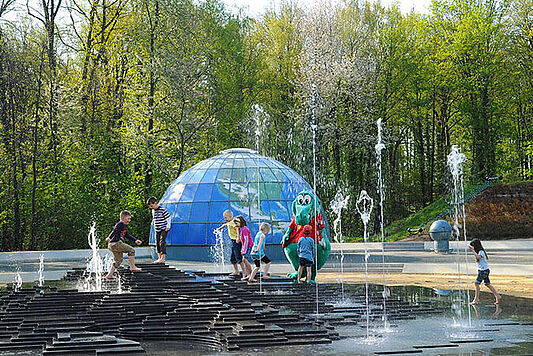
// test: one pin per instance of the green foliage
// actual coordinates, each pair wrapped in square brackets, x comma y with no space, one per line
[99,114]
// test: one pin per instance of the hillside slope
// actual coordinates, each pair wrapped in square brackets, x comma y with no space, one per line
[501,212]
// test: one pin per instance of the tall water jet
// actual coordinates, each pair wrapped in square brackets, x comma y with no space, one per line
[17,281]
[258,113]
[95,264]
[456,159]
[217,251]
[41,270]
[314,127]
[380,146]
[339,202]
[364,206]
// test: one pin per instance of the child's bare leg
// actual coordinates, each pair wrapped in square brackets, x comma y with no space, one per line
[131,260]
[308,277]
[243,268]
[163,257]
[248,268]
[254,272]
[300,270]
[267,267]
[111,272]
[497,296]
[235,270]
[476,295]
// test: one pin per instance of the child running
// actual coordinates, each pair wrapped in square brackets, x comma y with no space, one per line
[482,271]
[306,253]
[116,244]
[258,252]
[233,232]
[247,242]
[162,223]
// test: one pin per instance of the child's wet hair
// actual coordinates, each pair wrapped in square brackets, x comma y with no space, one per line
[124,213]
[151,200]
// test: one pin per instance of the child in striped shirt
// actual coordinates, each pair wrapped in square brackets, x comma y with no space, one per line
[162,222]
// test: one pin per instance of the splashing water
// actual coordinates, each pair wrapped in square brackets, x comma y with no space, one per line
[364,206]
[339,202]
[217,250]
[95,264]
[108,262]
[380,146]
[41,270]
[17,281]
[456,159]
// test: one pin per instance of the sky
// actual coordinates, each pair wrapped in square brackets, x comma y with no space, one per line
[256,7]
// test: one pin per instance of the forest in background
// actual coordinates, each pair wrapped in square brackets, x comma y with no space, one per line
[104,103]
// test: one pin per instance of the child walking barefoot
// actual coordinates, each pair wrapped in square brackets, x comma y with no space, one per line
[258,252]
[482,271]
[246,246]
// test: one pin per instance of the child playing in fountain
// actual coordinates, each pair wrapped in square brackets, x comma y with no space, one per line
[258,252]
[306,253]
[162,223]
[246,242]
[233,232]
[117,245]
[482,271]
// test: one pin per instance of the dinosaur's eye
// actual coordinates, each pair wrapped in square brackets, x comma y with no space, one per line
[300,200]
[307,199]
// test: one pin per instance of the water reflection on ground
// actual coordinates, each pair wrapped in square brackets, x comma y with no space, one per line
[495,330]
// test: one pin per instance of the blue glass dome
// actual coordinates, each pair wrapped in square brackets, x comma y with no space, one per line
[232,180]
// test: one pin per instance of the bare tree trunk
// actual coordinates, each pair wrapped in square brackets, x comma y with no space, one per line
[33,227]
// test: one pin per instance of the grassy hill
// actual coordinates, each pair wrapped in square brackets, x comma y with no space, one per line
[502,211]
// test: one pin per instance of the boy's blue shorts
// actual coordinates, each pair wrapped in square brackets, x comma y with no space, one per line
[304,262]
[483,276]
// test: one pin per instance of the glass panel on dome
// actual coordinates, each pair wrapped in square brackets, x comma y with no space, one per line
[197,176]
[220,191]
[173,194]
[184,177]
[252,175]
[182,212]
[178,234]
[239,192]
[260,162]
[278,173]
[188,192]
[267,175]
[197,234]
[238,175]
[227,163]
[249,162]
[203,193]
[224,175]
[216,211]
[265,210]
[239,209]
[274,190]
[211,237]
[199,212]
[238,163]
[216,163]
[210,176]
[278,210]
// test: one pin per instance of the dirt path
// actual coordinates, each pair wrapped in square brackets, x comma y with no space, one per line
[517,286]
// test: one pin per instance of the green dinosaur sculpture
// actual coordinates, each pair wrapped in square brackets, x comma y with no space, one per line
[303,209]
